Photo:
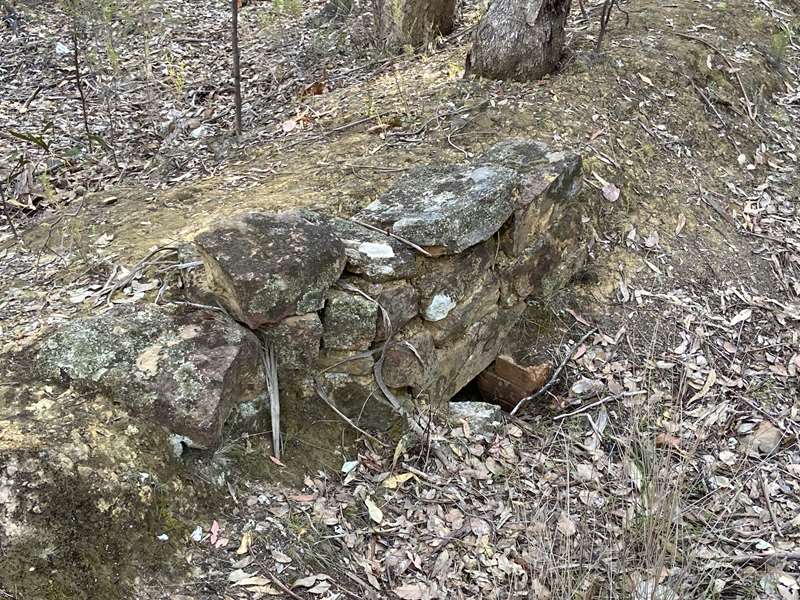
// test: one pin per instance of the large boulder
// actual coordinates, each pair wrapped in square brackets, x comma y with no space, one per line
[187,370]
[266,267]
[446,209]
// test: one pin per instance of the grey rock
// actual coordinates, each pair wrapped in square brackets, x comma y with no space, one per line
[358,398]
[186,370]
[446,209]
[410,358]
[483,420]
[481,300]
[549,184]
[345,361]
[349,321]
[267,267]
[296,341]
[399,299]
[446,281]
[375,256]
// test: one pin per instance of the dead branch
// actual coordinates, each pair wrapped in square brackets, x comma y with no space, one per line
[554,377]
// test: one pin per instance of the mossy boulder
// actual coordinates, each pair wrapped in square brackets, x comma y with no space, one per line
[186,370]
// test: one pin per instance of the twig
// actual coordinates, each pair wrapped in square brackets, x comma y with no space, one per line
[419,249]
[554,377]
[78,82]
[281,585]
[237,73]
[769,504]
[748,105]
[747,558]
[583,409]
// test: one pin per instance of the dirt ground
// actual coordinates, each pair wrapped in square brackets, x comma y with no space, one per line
[666,462]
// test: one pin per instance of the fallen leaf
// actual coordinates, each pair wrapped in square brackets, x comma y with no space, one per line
[375,513]
[395,481]
[710,381]
[214,533]
[741,316]
[566,525]
[244,545]
[411,591]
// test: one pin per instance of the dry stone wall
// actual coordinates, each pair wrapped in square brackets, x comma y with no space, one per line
[411,298]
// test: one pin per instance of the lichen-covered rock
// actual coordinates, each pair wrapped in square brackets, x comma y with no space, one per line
[446,281]
[373,255]
[399,299]
[185,369]
[410,358]
[482,419]
[85,490]
[345,361]
[482,299]
[549,184]
[349,321]
[358,398]
[267,267]
[446,209]
[296,341]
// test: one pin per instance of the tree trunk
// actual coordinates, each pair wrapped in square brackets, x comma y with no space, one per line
[414,23]
[519,39]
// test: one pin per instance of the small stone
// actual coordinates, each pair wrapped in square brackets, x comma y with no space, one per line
[483,419]
[267,267]
[296,341]
[344,361]
[448,208]
[349,321]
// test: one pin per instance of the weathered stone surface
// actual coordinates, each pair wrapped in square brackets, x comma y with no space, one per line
[267,267]
[464,357]
[374,255]
[345,361]
[296,341]
[359,399]
[529,379]
[444,282]
[349,321]
[482,299]
[483,420]
[447,208]
[549,184]
[410,358]
[499,391]
[185,369]
[399,299]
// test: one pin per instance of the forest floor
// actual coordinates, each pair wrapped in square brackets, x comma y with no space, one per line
[665,464]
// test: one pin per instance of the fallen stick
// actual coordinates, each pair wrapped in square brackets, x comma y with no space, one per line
[554,377]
